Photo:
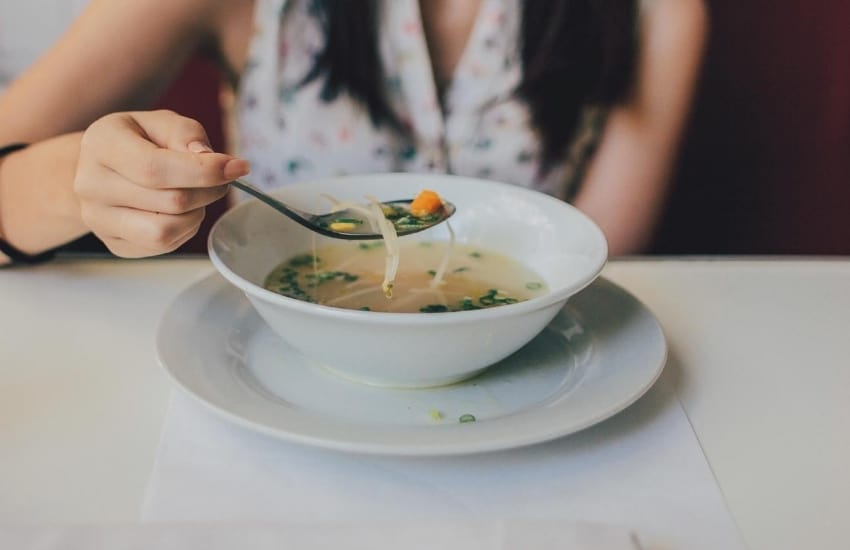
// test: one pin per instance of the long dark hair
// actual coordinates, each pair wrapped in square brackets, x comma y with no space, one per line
[574,53]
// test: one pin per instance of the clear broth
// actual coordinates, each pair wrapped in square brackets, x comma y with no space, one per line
[349,276]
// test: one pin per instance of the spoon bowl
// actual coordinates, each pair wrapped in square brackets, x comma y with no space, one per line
[349,223]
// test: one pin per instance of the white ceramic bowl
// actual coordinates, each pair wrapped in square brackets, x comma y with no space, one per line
[551,237]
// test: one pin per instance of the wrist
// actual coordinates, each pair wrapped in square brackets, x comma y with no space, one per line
[38,208]
[6,249]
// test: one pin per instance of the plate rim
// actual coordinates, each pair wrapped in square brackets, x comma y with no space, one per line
[464,446]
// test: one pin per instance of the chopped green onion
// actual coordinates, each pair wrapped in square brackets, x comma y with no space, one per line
[495,296]
[488,299]
[327,276]
[302,260]
[464,418]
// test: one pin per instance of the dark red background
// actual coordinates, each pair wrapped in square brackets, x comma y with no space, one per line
[765,165]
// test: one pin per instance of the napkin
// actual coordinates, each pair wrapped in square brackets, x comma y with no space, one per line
[319,535]
[641,472]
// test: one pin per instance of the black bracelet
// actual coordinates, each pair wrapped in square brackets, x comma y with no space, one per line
[13,253]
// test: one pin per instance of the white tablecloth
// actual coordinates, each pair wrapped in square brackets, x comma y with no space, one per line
[317,535]
[758,357]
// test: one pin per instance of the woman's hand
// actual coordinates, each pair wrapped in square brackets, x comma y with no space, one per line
[144,179]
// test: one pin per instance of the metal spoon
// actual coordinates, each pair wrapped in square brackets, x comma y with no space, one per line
[349,224]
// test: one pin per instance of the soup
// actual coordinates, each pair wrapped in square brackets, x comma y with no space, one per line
[350,275]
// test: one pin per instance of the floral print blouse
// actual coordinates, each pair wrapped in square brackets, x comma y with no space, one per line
[479,129]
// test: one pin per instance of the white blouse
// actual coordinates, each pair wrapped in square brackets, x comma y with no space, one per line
[290,134]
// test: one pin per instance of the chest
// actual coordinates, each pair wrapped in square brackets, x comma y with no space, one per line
[447,26]
[473,125]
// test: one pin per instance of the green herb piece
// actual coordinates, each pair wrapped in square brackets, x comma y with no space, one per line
[303,260]
[461,269]
[365,308]
[488,299]
[407,221]
[533,286]
[327,276]
[433,308]
[464,418]
[431,272]
[494,296]
[393,212]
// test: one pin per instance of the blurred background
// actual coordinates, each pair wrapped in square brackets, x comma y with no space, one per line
[764,166]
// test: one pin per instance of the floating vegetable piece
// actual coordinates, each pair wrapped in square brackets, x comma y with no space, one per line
[426,203]
[344,226]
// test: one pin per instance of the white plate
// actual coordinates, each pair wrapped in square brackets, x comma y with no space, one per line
[600,354]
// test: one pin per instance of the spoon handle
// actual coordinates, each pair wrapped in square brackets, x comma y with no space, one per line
[251,190]
[303,218]
[277,205]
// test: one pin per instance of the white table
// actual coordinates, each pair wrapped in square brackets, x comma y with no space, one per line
[759,351]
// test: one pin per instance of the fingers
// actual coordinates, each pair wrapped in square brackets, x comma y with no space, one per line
[114,190]
[132,233]
[143,180]
[159,150]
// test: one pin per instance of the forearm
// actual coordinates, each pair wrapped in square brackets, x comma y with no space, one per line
[626,187]
[38,207]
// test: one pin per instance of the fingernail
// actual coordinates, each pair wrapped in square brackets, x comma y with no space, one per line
[236,168]
[199,147]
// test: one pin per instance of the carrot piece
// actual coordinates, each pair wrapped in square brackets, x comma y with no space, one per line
[426,202]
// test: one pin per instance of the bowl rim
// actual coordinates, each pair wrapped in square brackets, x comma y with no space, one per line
[382,317]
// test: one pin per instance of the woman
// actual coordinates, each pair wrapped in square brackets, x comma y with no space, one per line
[584,99]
